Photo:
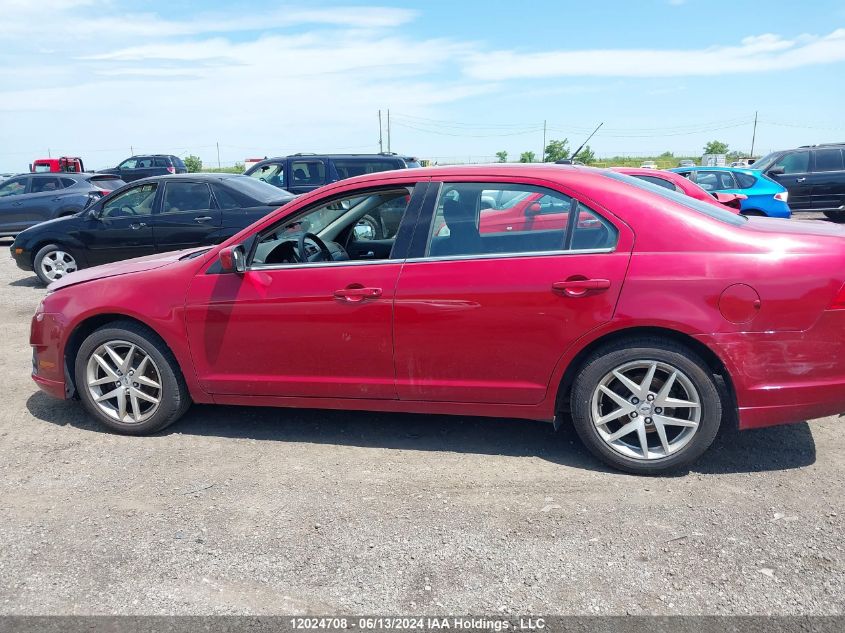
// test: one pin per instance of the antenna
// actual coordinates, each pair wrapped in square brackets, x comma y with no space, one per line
[585,142]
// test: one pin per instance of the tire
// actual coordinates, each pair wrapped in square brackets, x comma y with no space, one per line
[693,384]
[835,216]
[52,262]
[141,416]
[754,213]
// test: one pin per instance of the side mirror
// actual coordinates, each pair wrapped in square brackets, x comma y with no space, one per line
[776,171]
[233,259]
[93,214]
[533,208]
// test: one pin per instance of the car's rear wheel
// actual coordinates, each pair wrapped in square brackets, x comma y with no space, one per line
[646,406]
[129,380]
[52,262]
[835,216]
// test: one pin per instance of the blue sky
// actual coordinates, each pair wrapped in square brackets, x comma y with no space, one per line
[462,79]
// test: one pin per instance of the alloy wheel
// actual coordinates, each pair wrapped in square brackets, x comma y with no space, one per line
[124,382]
[57,264]
[646,409]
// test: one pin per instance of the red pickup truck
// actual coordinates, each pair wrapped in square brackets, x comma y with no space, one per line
[70,164]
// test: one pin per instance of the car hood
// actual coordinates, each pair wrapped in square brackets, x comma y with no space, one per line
[138,265]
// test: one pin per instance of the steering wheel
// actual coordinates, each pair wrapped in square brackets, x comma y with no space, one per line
[324,250]
[130,209]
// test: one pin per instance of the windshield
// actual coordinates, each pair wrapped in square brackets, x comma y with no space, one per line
[258,190]
[767,161]
[710,210]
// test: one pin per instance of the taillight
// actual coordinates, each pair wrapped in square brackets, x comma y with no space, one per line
[782,196]
[838,302]
[172,170]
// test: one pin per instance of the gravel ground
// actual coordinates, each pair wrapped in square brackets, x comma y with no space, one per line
[236,510]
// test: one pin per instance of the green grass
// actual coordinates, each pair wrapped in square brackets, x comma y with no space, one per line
[663,162]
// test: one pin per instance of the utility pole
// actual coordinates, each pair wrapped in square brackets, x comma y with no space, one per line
[49,155]
[131,151]
[543,153]
[753,135]
[388,130]
[380,148]
[218,155]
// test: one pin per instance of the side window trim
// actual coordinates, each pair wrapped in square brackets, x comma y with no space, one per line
[418,250]
[412,211]
[158,209]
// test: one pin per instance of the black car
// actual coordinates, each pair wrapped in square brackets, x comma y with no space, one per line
[164,213]
[814,176]
[301,173]
[147,165]
[28,199]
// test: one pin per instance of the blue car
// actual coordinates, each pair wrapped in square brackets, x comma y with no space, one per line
[764,196]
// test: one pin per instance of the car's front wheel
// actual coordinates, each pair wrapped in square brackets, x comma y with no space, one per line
[129,380]
[52,262]
[646,406]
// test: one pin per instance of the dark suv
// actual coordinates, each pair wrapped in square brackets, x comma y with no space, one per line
[147,165]
[301,173]
[814,175]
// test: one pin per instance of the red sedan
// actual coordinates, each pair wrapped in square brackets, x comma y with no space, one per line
[645,317]
[682,184]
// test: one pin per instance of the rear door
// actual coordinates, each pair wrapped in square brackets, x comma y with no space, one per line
[187,217]
[122,228]
[44,197]
[13,212]
[796,177]
[828,179]
[485,317]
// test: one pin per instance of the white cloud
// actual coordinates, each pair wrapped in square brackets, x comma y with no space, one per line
[754,54]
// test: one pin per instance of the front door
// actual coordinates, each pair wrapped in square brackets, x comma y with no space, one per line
[792,170]
[188,217]
[322,327]
[121,227]
[484,316]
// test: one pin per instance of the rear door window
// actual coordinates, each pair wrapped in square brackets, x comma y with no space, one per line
[349,168]
[162,162]
[308,173]
[828,160]
[715,180]
[43,184]
[522,219]
[187,196]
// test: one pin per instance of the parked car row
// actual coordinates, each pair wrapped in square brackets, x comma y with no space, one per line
[163,213]
[29,199]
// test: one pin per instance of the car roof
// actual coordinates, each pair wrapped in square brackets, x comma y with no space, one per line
[743,170]
[201,176]
[346,156]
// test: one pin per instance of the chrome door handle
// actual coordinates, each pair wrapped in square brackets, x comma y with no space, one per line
[357,294]
[580,287]
[202,218]
[800,179]
[137,225]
